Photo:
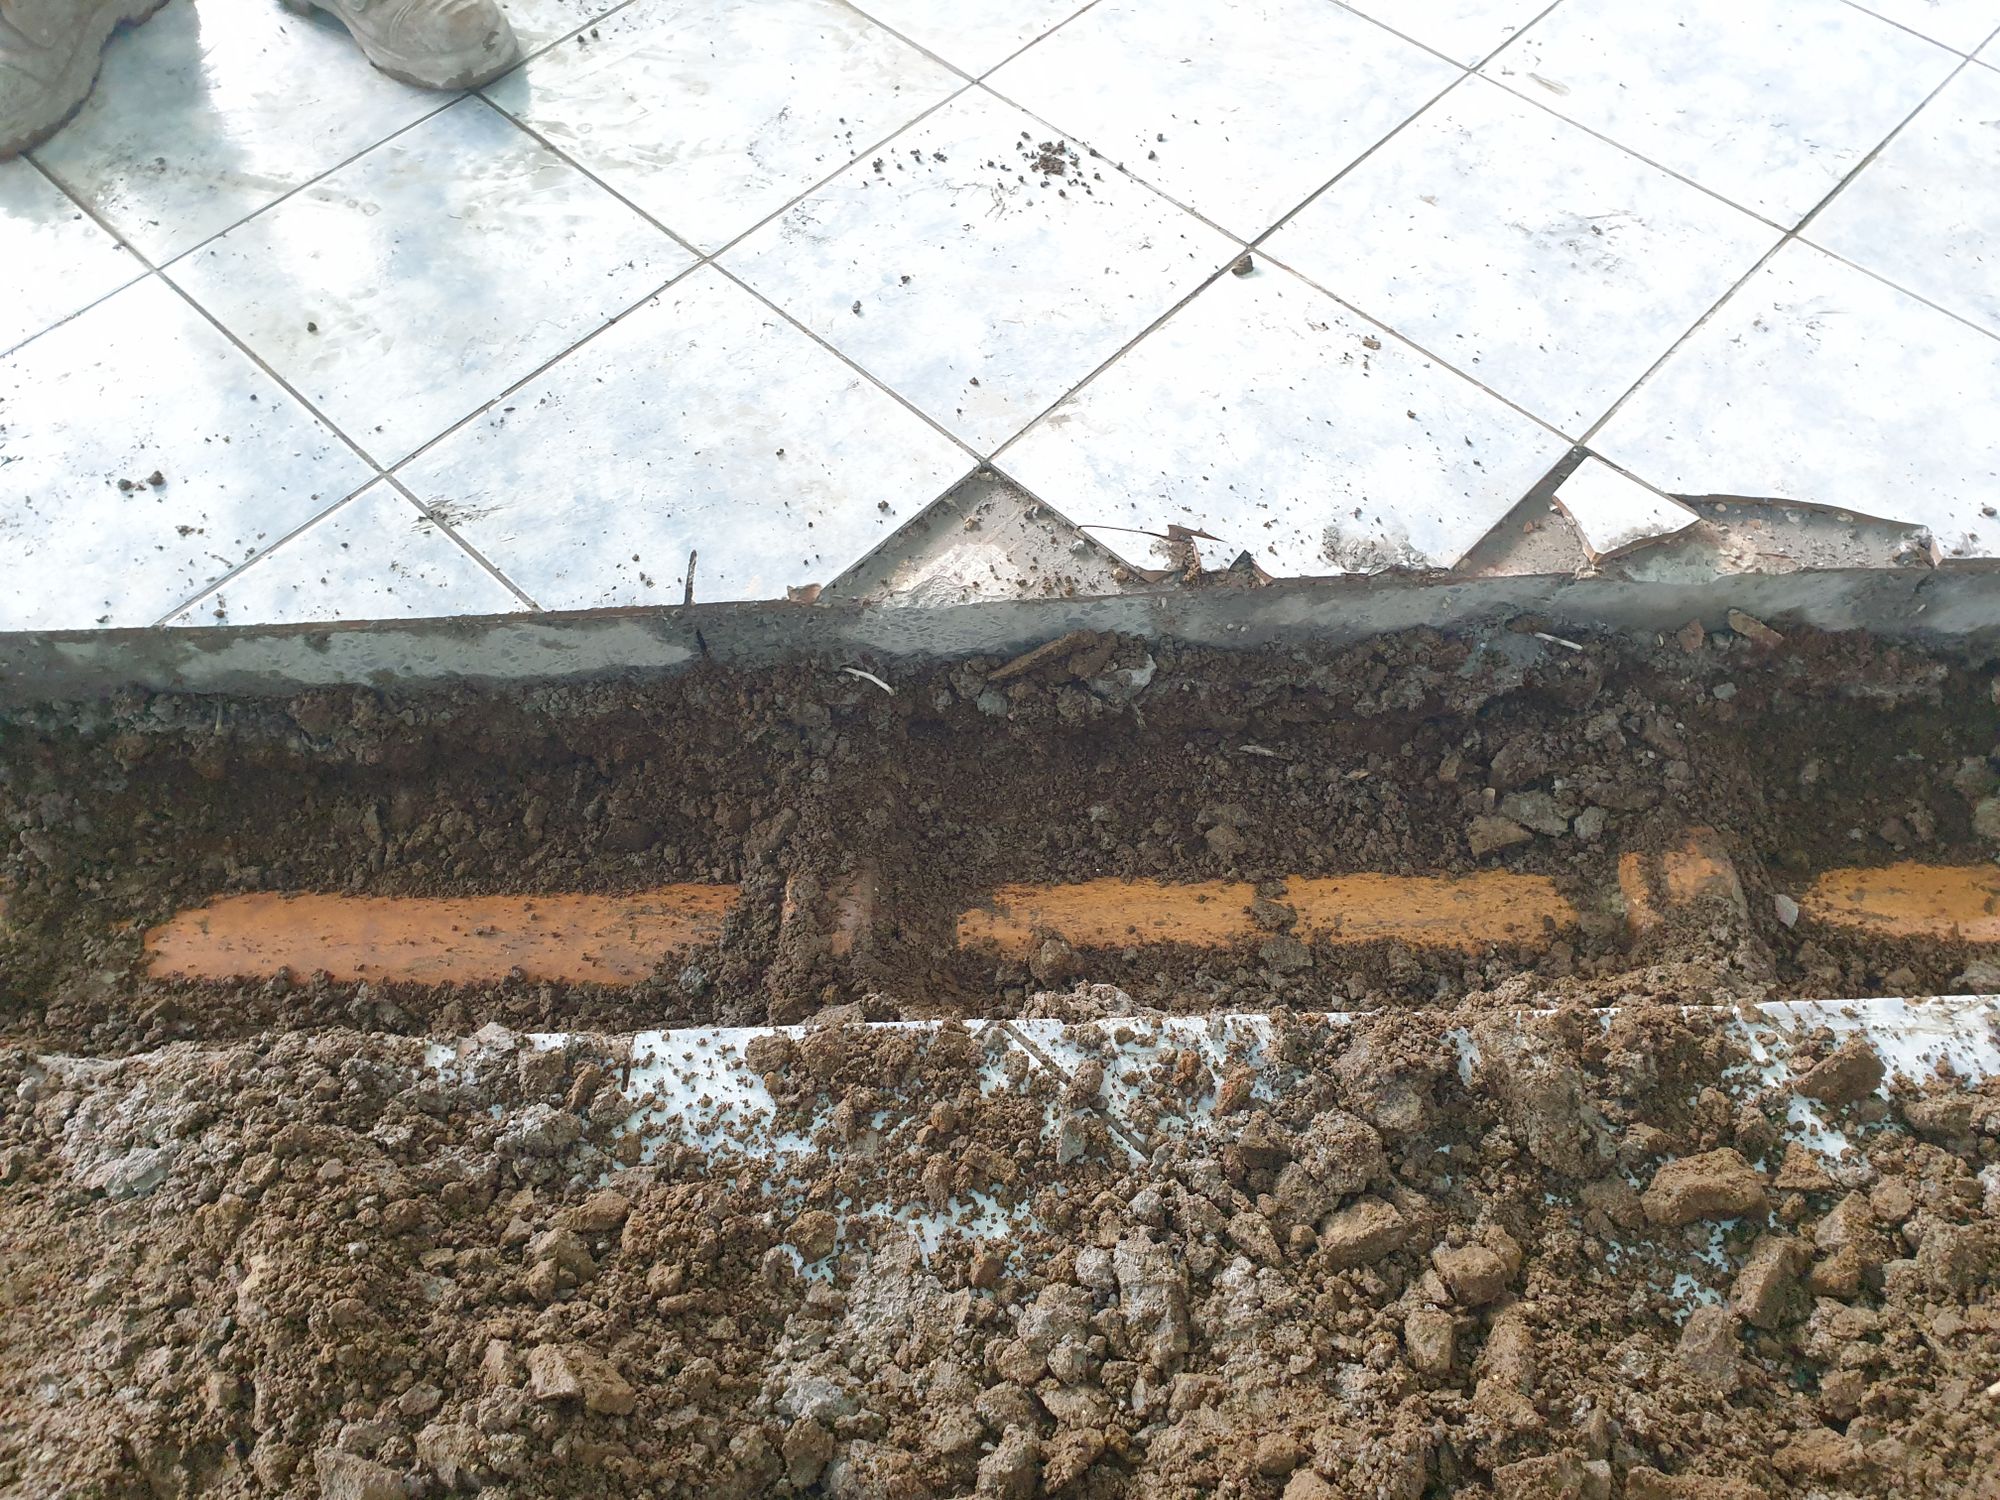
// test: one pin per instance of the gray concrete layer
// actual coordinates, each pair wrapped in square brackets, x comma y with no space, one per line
[1953,608]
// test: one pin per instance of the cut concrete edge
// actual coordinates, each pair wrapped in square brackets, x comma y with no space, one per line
[1955,608]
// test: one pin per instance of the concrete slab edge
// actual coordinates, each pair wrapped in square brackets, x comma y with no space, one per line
[1955,609]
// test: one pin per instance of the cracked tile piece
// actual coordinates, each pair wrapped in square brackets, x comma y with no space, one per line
[966,273]
[1524,251]
[215,109]
[702,422]
[1467,31]
[54,261]
[375,557]
[986,539]
[711,114]
[972,35]
[1768,102]
[1925,213]
[418,282]
[1267,415]
[1614,512]
[1815,382]
[1241,109]
[142,384]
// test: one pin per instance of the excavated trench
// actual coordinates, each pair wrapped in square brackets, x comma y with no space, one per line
[1370,1072]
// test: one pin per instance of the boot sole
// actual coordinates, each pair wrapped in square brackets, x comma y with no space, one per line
[477,72]
[79,76]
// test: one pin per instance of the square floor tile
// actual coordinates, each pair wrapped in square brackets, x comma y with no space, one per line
[1926,212]
[1816,382]
[1526,252]
[139,385]
[976,284]
[54,260]
[702,423]
[1241,109]
[376,557]
[1466,30]
[1961,25]
[1767,102]
[405,290]
[214,109]
[972,35]
[712,114]
[1268,416]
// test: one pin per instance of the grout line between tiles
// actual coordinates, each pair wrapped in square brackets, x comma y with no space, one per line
[1905,26]
[1789,237]
[1134,1140]
[452,531]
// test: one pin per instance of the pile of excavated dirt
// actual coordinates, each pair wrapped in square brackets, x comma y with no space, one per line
[1096,756]
[1597,1264]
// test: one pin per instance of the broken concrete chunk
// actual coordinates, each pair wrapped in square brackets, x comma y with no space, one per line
[1488,834]
[1431,1338]
[1708,1349]
[1361,1233]
[1714,1185]
[1767,1292]
[1536,811]
[1010,1471]
[348,1476]
[1852,1071]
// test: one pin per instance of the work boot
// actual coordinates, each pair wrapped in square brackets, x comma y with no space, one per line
[434,44]
[49,51]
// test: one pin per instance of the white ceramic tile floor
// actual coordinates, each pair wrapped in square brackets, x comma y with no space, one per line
[1240,109]
[1268,416]
[56,261]
[974,36]
[433,278]
[242,464]
[1467,31]
[713,115]
[1768,102]
[377,548]
[1818,383]
[1960,24]
[702,423]
[968,281]
[408,288]
[1524,251]
[1926,212]
[215,108]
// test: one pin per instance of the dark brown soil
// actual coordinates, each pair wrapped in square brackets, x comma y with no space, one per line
[1101,758]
